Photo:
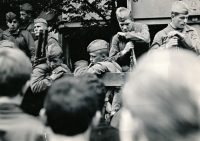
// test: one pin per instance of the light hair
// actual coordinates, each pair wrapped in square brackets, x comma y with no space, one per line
[123,13]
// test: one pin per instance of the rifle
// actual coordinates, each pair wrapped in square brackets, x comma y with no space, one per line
[133,61]
[39,56]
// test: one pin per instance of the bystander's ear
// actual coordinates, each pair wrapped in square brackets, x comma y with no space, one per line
[43,116]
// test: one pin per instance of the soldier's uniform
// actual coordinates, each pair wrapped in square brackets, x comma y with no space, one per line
[100,68]
[40,79]
[21,38]
[138,33]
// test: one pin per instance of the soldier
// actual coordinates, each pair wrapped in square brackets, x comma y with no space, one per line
[161,98]
[15,124]
[26,18]
[44,74]
[99,64]
[177,34]
[21,38]
[137,33]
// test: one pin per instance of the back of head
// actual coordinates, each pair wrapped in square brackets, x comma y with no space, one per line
[162,92]
[7,43]
[123,14]
[70,106]
[180,7]
[15,71]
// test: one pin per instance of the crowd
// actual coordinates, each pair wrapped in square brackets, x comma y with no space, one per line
[159,101]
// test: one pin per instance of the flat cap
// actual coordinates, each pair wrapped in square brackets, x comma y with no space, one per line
[53,50]
[97,45]
[26,7]
[7,43]
[80,63]
[40,20]
[123,14]
[10,16]
[180,7]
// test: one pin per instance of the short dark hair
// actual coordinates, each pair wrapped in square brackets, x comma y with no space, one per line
[15,71]
[70,106]
[97,85]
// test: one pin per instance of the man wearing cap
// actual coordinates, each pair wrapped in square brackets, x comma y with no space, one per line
[177,34]
[26,18]
[99,64]
[44,74]
[137,33]
[41,24]
[21,38]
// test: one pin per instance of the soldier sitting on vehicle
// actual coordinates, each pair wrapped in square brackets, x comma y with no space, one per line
[99,64]
[44,74]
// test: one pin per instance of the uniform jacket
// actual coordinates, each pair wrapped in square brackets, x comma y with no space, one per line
[191,41]
[15,125]
[40,79]
[23,40]
[30,27]
[140,36]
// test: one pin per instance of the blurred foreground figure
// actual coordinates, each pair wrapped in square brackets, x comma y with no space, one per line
[15,72]
[161,98]
[71,110]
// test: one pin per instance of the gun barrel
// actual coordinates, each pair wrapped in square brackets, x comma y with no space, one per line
[45,43]
[39,45]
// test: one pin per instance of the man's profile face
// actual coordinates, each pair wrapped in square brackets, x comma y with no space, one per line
[54,62]
[38,27]
[24,16]
[180,20]
[95,57]
[13,25]
[125,25]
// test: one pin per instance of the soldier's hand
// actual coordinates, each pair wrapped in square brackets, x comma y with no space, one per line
[172,42]
[55,76]
[128,47]
[60,69]
[121,34]
[175,33]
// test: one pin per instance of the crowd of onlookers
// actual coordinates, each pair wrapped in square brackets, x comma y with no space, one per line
[159,101]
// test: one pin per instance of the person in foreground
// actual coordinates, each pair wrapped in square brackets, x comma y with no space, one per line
[177,34]
[15,72]
[71,110]
[161,98]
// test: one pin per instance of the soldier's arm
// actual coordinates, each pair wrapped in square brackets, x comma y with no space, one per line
[39,80]
[192,43]
[158,42]
[115,52]
[142,36]
[97,69]
[31,45]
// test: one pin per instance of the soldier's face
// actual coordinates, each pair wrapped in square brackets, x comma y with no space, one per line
[24,16]
[54,62]
[95,57]
[180,20]
[38,27]
[125,25]
[13,25]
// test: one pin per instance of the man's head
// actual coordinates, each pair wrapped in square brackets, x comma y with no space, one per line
[161,97]
[179,14]
[25,12]
[12,21]
[54,55]
[98,50]
[39,24]
[71,107]
[15,71]
[124,18]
